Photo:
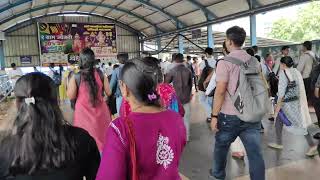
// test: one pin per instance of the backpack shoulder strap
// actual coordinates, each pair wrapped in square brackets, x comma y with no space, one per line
[206,63]
[233,60]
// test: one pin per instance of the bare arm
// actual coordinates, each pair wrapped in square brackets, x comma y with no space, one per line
[106,86]
[72,90]
[219,96]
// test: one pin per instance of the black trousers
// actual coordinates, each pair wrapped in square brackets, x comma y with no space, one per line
[316,105]
[307,86]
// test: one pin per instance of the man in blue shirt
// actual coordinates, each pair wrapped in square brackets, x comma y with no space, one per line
[115,77]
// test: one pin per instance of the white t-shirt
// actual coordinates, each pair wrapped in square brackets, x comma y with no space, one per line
[211,61]
[14,75]
[212,84]
[109,70]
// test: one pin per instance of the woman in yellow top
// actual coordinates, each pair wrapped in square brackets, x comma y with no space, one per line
[66,75]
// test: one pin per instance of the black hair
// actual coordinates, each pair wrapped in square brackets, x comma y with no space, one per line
[51,65]
[287,60]
[39,139]
[267,55]
[237,35]
[255,48]
[258,58]
[123,57]
[115,66]
[13,65]
[110,64]
[87,70]
[188,58]
[153,62]
[224,46]
[141,77]
[308,45]
[178,58]
[209,51]
[285,48]
[250,51]
[195,58]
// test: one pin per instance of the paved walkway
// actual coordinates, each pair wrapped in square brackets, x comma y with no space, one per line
[288,164]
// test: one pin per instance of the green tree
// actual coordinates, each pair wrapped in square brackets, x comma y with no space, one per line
[305,27]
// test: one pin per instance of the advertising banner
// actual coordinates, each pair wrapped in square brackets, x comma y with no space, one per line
[26,59]
[70,38]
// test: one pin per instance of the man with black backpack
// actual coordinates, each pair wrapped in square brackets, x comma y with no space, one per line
[115,77]
[240,103]
[206,67]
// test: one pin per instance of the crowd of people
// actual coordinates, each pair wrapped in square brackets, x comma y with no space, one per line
[132,120]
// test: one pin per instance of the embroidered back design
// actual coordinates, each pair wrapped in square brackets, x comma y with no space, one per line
[165,153]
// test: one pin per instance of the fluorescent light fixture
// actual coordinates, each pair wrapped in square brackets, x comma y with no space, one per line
[74,15]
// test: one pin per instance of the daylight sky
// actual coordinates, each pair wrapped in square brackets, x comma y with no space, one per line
[264,20]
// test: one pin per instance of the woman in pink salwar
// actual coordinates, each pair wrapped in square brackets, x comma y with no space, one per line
[91,111]
[147,143]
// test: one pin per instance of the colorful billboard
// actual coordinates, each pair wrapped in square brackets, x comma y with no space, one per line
[71,38]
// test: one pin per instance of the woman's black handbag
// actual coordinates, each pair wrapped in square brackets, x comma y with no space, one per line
[291,91]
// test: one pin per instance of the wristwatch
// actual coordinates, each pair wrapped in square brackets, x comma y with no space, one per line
[214,116]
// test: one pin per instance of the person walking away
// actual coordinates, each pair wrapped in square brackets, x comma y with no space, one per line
[109,71]
[181,78]
[144,131]
[14,74]
[206,68]
[41,145]
[285,50]
[190,66]
[196,68]
[115,77]
[293,104]
[91,111]
[306,62]
[231,103]
[66,76]
[317,105]
[55,76]
[256,54]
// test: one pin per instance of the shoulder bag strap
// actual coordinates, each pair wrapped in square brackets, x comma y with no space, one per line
[285,73]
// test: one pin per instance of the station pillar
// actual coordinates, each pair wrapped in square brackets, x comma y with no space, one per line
[253,30]
[2,63]
[210,39]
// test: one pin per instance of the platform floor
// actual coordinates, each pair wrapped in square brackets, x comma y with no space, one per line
[288,164]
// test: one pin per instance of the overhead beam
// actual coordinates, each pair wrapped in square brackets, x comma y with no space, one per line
[257,10]
[147,3]
[207,13]
[118,23]
[77,3]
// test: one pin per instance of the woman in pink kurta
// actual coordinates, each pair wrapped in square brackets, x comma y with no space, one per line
[148,142]
[91,111]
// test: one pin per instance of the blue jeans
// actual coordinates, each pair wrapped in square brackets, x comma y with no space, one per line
[230,127]
[118,103]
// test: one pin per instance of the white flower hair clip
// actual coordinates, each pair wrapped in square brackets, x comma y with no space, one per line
[30,100]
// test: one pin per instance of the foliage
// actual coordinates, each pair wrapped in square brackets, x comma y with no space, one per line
[305,27]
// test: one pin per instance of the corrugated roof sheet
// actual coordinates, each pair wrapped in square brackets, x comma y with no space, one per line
[150,17]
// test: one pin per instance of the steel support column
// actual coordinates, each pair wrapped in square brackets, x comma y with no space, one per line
[210,39]
[180,40]
[253,30]
[2,63]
